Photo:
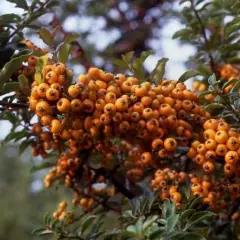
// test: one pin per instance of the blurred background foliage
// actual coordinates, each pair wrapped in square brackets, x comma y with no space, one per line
[23,201]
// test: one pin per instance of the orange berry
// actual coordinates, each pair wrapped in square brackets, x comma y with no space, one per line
[170,144]
[221,136]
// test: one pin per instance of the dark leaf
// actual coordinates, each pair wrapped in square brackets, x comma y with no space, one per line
[9,18]
[158,72]
[214,107]
[198,217]
[24,145]
[87,222]
[41,166]
[186,215]
[194,203]
[11,117]
[10,87]
[181,33]
[11,67]
[20,3]
[187,75]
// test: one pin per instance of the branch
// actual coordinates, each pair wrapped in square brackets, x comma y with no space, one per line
[212,63]
[26,21]
[13,105]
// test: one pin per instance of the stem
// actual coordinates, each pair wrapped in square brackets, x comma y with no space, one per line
[212,63]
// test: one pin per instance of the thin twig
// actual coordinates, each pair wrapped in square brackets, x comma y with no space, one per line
[212,63]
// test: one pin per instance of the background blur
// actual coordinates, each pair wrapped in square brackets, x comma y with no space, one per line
[108,28]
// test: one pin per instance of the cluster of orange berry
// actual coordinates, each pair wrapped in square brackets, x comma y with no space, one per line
[227,72]
[217,194]
[100,106]
[167,182]
[61,214]
[222,144]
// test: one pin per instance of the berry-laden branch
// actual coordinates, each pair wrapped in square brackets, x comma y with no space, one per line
[202,26]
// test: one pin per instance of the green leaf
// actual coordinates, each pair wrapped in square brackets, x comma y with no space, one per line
[194,203]
[41,63]
[24,145]
[226,84]
[204,69]
[158,72]
[185,236]
[11,67]
[234,60]
[20,3]
[131,229]
[182,32]
[70,38]
[139,225]
[41,166]
[197,218]
[201,94]
[46,36]
[232,29]
[46,232]
[52,3]
[157,233]
[11,117]
[120,63]
[171,222]
[38,230]
[186,214]
[24,85]
[94,160]
[212,80]
[236,87]
[63,52]
[9,18]
[146,54]
[188,74]
[87,222]
[16,136]
[183,1]
[127,57]
[150,220]
[191,236]
[168,208]
[214,107]
[10,87]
